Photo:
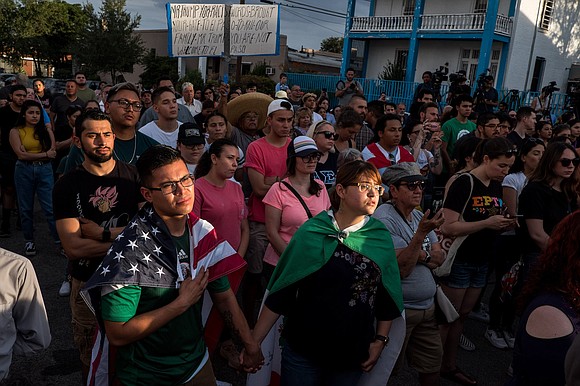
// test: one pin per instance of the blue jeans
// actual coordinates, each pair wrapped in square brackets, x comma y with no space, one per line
[31,178]
[300,371]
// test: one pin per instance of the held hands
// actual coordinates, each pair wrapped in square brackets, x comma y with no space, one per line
[426,224]
[375,349]
[251,358]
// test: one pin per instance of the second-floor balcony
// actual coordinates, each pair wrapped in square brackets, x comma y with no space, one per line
[473,22]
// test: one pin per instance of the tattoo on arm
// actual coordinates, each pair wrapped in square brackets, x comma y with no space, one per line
[229,322]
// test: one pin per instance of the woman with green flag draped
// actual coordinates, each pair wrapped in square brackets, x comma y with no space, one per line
[337,276]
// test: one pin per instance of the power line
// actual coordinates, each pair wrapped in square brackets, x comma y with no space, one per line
[310,8]
[301,16]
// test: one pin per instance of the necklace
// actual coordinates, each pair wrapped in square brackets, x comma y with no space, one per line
[134,151]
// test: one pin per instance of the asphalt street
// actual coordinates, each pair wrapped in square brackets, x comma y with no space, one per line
[59,364]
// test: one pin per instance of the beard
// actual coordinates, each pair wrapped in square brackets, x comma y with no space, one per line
[96,158]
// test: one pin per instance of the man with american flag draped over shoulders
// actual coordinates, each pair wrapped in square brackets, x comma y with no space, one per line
[148,291]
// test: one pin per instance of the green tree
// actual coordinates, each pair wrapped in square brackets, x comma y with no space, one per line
[194,77]
[157,66]
[8,33]
[109,43]
[392,71]
[332,44]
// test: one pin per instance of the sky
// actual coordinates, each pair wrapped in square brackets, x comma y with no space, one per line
[304,28]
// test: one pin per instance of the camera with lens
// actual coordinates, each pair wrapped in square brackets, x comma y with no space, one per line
[550,88]
[352,86]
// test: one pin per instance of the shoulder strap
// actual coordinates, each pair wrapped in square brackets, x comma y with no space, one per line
[470,193]
[299,197]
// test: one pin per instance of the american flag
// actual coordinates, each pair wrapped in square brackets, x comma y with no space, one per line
[144,254]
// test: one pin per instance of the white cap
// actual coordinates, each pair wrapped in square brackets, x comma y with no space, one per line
[279,104]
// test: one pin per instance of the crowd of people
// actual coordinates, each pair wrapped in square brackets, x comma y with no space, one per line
[328,230]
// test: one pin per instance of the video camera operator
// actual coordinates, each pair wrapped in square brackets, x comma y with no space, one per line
[458,86]
[486,96]
[541,104]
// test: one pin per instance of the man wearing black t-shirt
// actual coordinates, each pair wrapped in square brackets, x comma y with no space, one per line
[92,205]
[525,127]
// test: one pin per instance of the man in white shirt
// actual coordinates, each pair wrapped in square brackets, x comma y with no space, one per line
[188,100]
[164,128]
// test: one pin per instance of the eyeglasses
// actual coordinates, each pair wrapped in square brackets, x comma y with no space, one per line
[567,161]
[195,146]
[491,126]
[124,103]
[367,187]
[328,135]
[412,186]
[171,186]
[312,157]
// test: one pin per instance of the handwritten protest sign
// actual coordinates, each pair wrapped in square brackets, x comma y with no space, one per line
[199,29]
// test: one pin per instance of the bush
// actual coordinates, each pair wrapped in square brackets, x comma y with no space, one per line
[194,77]
[392,71]
[265,84]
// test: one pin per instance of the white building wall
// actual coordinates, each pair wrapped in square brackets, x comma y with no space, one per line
[380,51]
[560,45]
[395,7]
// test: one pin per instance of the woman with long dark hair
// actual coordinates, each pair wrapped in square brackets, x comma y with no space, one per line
[549,196]
[35,148]
[473,208]
[336,277]
[551,303]
[292,201]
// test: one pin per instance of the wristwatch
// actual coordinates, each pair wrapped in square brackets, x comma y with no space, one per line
[427,257]
[106,236]
[383,339]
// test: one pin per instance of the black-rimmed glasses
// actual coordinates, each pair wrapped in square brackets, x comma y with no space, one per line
[312,157]
[170,187]
[124,103]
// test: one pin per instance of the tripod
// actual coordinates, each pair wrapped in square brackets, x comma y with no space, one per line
[513,101]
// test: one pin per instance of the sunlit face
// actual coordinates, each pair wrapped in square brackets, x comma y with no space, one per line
[532,159]
[310,102]
[29,93]
[565,171]
[97,140]
[71,88]
[498,168]
[306,165]
[404,196]
[391,136]
[216,128]
[281,123]
[18,97]
[188,93]
[360,106]
[38,87]
[166,106]
[304,120]
[171,205]
[357,202]
[32,116]
[323,143]
[120,116]
[296,92]
[227,163]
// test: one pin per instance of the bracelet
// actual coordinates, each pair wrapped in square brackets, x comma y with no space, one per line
[383,339]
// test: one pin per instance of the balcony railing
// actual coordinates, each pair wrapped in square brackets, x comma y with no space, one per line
[382,23]
[430,23]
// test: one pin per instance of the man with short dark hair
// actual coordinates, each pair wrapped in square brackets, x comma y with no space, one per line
[375,110]
[283,84]
[426,85]
[105,194]
[123,107]
[146,99]
[390,108]
[183,114]
[8,117]
[387,151]
[149,288]
[456,127]
[486,97]
[83,90]
[251,87]
[487,126]
[295,96]
[163,129]
[346,89]
[207,108]
[525,126]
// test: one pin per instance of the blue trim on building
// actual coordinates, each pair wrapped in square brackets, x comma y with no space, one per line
[365,59]
[380,35]
[347,38]
[505,48]
[372,7]
[487,38]
[414,42]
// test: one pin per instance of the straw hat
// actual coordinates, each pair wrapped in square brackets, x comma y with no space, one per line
[254,101]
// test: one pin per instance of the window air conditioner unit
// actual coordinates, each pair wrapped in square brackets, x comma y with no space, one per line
[270,71]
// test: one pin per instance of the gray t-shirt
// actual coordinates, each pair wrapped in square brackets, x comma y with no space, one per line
[348,93]
[419,287]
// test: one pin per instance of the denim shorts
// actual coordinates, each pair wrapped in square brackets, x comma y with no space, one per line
[466,275]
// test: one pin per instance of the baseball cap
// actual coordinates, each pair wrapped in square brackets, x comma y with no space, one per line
[302,146]
[281,95]
[189,134]
[402,172]
[279,104]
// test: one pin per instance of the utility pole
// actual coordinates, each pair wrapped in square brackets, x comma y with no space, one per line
[239,60]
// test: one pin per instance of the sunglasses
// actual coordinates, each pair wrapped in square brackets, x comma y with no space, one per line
[312,157]
[412,186]
[567,161]
[329,135]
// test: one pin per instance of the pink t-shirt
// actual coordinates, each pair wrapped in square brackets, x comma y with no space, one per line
[269,161]
[224,208]
[293,213]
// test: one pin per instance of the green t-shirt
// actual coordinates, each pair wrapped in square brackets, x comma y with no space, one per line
[171,354]
[126,151]
[453,130]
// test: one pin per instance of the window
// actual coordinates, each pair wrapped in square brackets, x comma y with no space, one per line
[401,59]
[480,6]
[495,54]
[408,7]
[547,13]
